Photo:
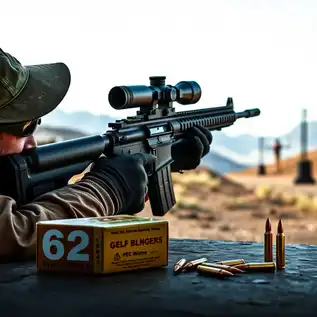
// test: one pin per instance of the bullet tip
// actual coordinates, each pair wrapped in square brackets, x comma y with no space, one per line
[280,227]
[268,226]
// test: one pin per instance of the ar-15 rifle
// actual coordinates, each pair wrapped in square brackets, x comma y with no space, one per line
[153,130]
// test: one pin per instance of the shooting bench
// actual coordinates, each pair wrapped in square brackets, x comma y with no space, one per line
[157,292]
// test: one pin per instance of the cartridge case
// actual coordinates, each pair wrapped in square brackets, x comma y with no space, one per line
[194,263]
[179,265]
[228,268]
[257,267]
[280,251]
[268,242]
[231,262]
[268,247]
[213,271]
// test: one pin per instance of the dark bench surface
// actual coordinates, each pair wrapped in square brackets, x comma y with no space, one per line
[158,292]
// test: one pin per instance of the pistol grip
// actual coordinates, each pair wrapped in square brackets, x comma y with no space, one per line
[161,191]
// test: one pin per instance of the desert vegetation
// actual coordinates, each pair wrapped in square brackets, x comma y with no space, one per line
[210,206]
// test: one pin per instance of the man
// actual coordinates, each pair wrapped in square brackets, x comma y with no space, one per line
[277,147]
[113,186]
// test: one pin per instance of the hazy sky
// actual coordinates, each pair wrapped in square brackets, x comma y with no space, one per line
[261,53]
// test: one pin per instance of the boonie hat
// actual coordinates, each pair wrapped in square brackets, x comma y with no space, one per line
[30,92]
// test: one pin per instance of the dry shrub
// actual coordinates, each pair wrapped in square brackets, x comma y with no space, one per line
[263,192]
[314,203]
[205,225]
[188,214]
[214,184]
[226,227]
[191,204]
[277,198]
[240,203]
[188,200]
[288,199]
[201,178]
[305,203]
[179,191]
[259,213]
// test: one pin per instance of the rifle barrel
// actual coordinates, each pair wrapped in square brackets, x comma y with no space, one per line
[248,113]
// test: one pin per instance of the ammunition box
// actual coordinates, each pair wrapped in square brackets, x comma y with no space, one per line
[102,245]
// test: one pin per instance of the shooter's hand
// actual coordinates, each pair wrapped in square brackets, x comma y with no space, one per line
[125,178]
[188,151]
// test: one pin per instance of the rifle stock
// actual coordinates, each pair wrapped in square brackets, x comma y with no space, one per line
[154,130]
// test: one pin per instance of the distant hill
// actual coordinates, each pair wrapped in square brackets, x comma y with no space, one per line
[288,166]
[244,148]
[48,134]
[221,164]
[83,121]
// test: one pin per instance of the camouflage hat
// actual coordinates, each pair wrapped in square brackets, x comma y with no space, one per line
[30,92]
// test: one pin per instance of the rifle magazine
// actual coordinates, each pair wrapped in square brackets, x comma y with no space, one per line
[161,191]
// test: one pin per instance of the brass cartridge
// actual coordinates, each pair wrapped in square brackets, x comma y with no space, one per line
[228,268]
[178,266]
[280,246]
[231,262]
[212,271]
[258,267]
[268,242]
[194,263]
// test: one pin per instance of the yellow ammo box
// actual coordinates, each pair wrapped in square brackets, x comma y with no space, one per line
[102,245]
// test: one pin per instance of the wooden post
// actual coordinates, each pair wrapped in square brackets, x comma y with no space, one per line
[304,166]
[261,166]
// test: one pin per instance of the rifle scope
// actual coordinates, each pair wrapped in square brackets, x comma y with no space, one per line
[124,97]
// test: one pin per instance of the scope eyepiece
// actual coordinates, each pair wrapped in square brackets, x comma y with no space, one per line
[125,97]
